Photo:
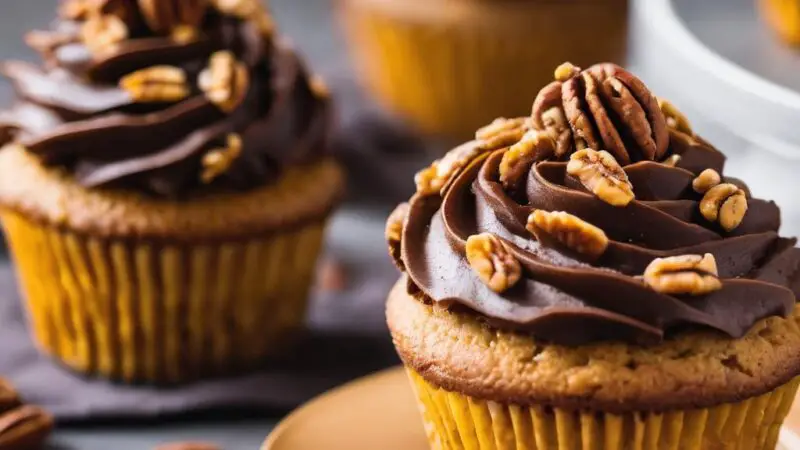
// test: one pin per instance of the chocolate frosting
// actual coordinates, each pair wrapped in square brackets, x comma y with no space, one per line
[563,297]
[73,112]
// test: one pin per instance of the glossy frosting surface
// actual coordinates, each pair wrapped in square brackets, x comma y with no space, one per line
[564,297]
[74,110]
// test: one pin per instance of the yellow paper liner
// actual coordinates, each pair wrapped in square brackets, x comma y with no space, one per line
[784,17]
[476,61]
[454,421]
[141,311]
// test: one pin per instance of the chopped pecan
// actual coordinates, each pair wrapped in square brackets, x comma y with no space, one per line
[165,16]
[570,231]
[435,178]
[492,261]
[675,119]
[726,203]
[188,446]
[600,173]
[517,160]
[25,427]
[683,275]
[219,160]
[394,232]
[672,160]
[9,398]
[502,132]
[102,33]
[706,180]
[225,81]
[156,84]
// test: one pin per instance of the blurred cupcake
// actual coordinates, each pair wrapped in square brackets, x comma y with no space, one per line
[556,295]
[450,67]
[783,16]
[165,187]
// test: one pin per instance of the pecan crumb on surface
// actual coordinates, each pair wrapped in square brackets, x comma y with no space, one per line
[492,261]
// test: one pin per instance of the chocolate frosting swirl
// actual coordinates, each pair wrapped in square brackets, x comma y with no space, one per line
[75,112]
[566,298]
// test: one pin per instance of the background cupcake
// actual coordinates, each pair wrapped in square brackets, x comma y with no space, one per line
[571,298]
[783,16]
[450,67]
[165,187]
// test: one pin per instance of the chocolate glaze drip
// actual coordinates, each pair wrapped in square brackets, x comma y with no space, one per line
[565,299]
[72,113]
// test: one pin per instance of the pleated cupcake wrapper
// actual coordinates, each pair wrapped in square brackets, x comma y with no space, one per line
[455,421]
[148,312]
[453,76]
[784,17]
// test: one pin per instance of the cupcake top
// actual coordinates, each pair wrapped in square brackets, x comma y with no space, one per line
[602,216]
[170,98]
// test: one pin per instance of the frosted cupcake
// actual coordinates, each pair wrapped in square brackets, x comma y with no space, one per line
[587,277]
[165,187]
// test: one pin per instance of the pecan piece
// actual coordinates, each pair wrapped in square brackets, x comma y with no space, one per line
[217,161]
[683,275]
[706,180]
[166,16]
[493,262]
[502,132]
[600,173]
[676,120]
[435,178]
[517,160]
[570,231]
[101,33]
[188,446]
[156,84]
[225,81]
[394,232]
[25,427]
[565,71]
[9,398]
[547,115]
[726,203]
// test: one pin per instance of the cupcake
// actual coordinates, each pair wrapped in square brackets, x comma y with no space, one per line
[451,66]
[165,186]
[588,277]
[783,16]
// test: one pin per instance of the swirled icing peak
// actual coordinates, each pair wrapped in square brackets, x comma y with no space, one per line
[602,216]
[169,97]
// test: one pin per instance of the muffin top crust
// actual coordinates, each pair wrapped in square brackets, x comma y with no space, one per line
[168,98]
[600,217]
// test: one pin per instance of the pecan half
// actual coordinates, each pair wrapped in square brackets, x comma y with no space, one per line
[683,275]
[102,33]
[706,180]
[570,231]
[600,173]
[502,132]
[9,398]
[492,261]
[517,160]
[166,16]
[188,446]
[225,81]
[156,84]
[726,203]
[548,115]
[675,119]
[25,427]
[219,160]
[394,232]
[605,107]
[435,178]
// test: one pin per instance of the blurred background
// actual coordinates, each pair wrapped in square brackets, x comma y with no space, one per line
[411,79]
